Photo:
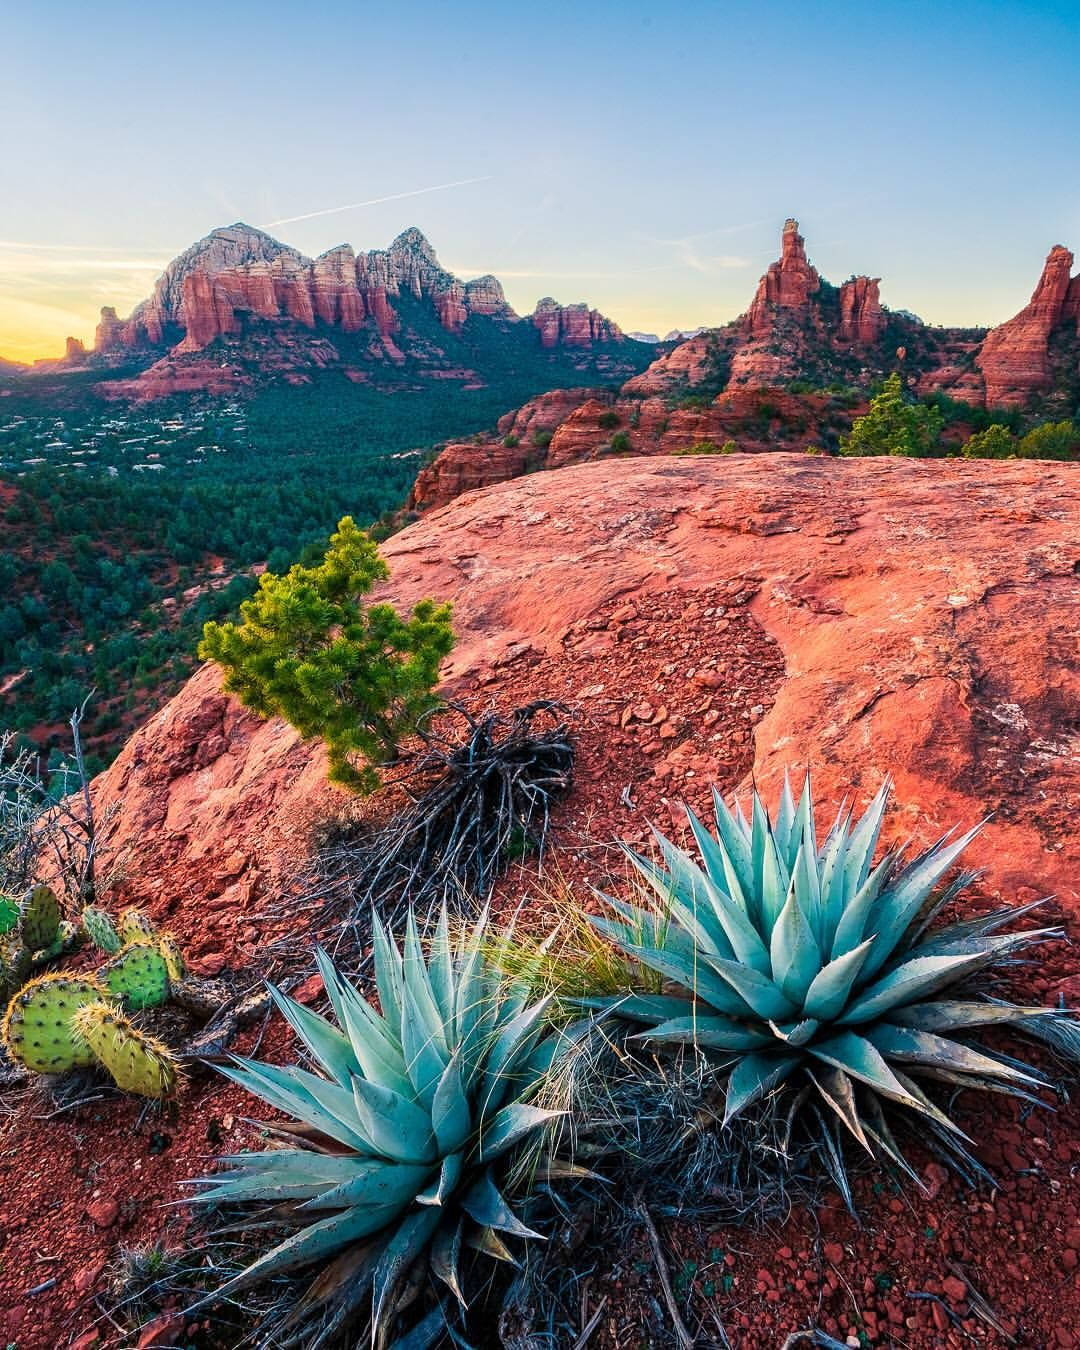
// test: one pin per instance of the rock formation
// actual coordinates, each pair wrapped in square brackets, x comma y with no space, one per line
[787,284]
[239,273]
[1015,358]
[924,612]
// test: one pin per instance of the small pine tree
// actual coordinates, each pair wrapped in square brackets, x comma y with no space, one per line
[996,442]
[894,426]
[1051,440]
[308,650]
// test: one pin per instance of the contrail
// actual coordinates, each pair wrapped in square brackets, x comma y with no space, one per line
[375,201]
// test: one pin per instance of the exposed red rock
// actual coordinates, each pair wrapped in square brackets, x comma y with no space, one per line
[239,274]
[543,413]
[861,316]
[925,612]
[463,466]
[788,284]
[572,325]
[1015,358]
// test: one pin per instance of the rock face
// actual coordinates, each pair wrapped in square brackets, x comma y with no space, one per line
[861,316]
[1015,358]
[788,284]
[572,325]
[239,273]
[925,613]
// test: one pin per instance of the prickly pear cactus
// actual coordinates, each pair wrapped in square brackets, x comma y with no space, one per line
[138,975]
[37,1029]
[39,918]
[174,958]
[134,926]
[15,966]
[67,937]
[9,915]
[100,930]
[137,1062]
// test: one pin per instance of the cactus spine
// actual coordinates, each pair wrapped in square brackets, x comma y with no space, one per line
[37,1028]
[100,930]
[138,975]
[137,1062]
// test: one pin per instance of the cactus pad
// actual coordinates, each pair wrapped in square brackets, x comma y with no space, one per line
[15,965]
[37,1029]
[138,975]
[138,1063]
[100,930]
[40,918]
[174,957]
[135,926]
[9,914]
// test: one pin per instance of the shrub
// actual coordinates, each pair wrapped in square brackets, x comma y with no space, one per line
[996,442]
[609,419]
[620,442]
[511,441]
[1051,440]
[308,650]
[893,426]
[809,966]
[422,1103]
[708,448]
[541,439]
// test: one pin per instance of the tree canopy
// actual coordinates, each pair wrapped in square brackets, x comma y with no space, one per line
[309,650]
[894,426]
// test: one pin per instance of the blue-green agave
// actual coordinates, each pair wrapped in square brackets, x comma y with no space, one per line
[396,1138]
[809,964]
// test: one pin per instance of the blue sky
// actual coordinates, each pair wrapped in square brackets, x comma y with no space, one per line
[642,157]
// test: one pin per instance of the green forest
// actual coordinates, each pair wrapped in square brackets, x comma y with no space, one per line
[127,526]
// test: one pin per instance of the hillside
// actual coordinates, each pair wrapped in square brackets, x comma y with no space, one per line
[791,372]
[707,619]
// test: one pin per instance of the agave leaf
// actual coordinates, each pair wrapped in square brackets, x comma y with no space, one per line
[836,1088]
[510,1125]
[831,986]
[485,1203]
[863,841]
[831,864]
[514,1040]
[856,1056]
[694,975]
[805,829]
[332,1049]
[426,1056]
[795,1033]
[441,968]
[757,990]
[900,902]
[793,950]
[472,992]
[486,1240]
[417,982]
[381,1184]
[877,1129]
[927,1107]
[640,1007]
[395,1125]
[445,1183]
[737,935]
[782,826]
[409,1239]
[806,885]
[286,1090]
[737,859]
[374,1045]
[913,980]
[929,912]
[685,898]
[848,926]
[446,1257]
[775,880]
[754,1076]
[956,1014]
[555,1046]
[313,1243]
[716,1033]
[424,1334]
[954,935]
[451,1118]
[910,1046]
[388,974]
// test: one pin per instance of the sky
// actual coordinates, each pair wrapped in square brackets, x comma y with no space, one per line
[642,157]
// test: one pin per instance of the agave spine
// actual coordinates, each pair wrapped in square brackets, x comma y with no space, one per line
[799,960]
[418,1104]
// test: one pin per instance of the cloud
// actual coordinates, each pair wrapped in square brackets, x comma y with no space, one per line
[377,201]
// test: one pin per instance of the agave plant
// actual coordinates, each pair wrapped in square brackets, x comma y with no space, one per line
[809,966]
[395,1141]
